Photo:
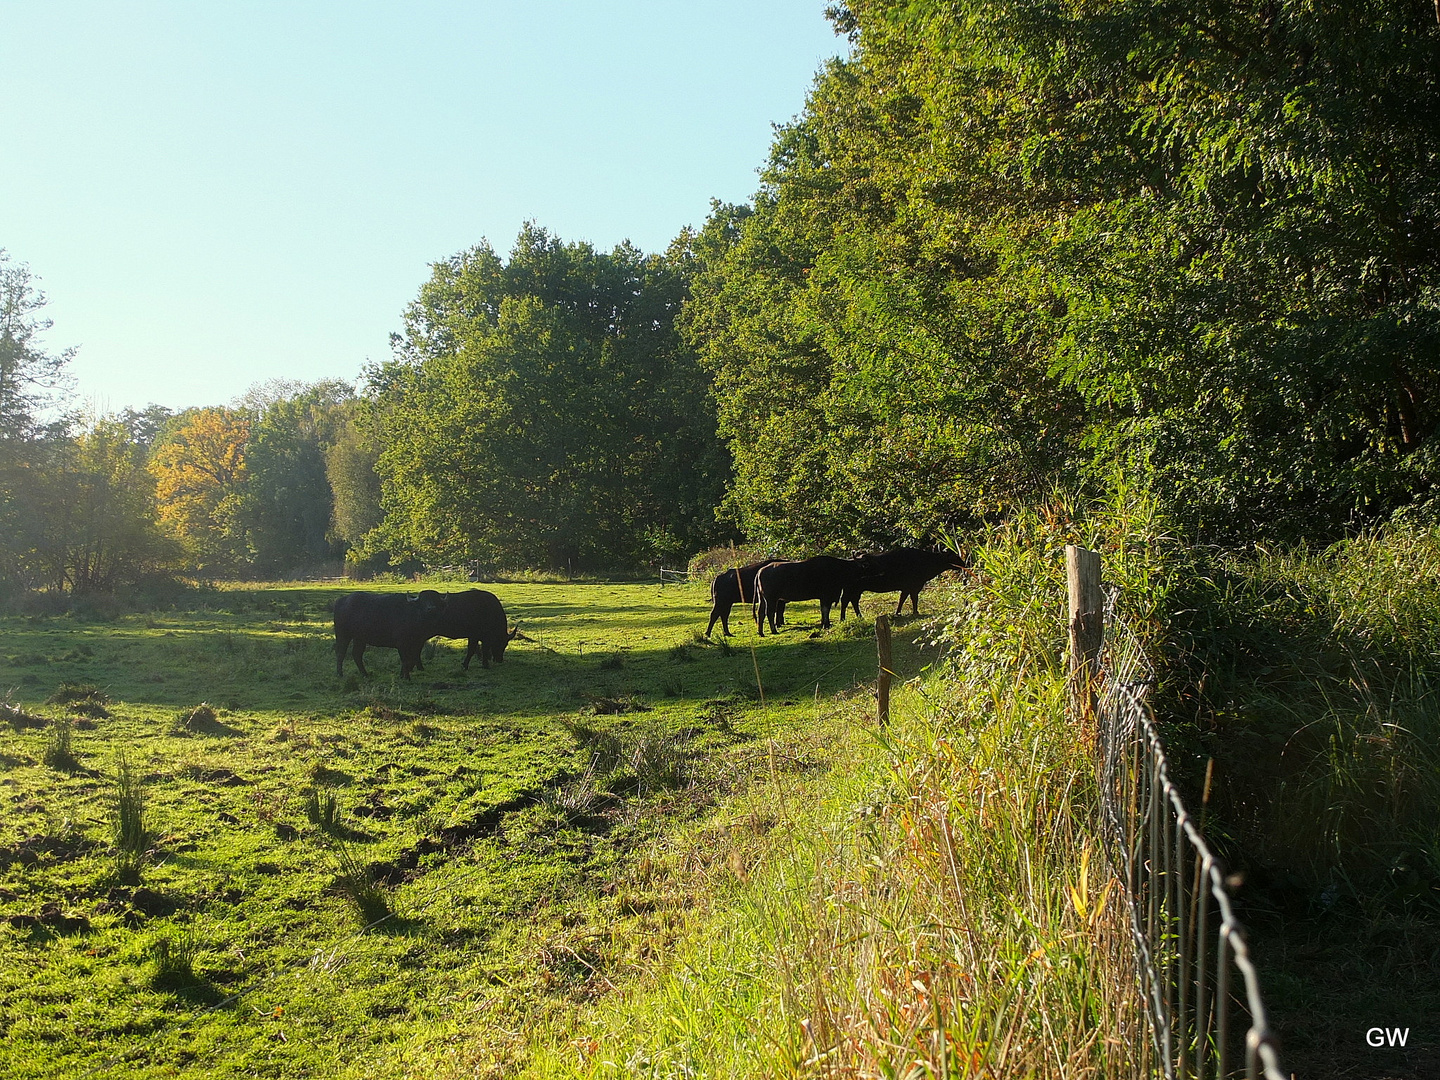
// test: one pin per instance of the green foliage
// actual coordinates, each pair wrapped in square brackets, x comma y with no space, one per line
[712,561]
[1007,246]
[289,505]
[1310,678]
[544,412]
[350,462]
[28,373]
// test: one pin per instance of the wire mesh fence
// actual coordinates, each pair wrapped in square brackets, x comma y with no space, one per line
[1192,960]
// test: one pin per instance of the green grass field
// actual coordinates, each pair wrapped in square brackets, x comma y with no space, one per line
[482,817]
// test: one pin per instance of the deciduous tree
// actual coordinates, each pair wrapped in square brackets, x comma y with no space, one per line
[200,474]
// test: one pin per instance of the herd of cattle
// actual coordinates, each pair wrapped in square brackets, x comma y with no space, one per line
[406,623]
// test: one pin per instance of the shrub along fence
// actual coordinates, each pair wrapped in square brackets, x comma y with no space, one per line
[1188,946]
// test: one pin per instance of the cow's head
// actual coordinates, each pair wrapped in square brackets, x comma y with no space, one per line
[429,605]
[499,651]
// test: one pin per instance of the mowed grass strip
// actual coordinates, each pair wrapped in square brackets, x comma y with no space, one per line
[483,804]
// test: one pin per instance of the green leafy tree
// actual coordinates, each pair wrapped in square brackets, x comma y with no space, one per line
[1010,246]
[545,411]
[29,375]
[350,466]
[94,516]
[288,500]
[31,444]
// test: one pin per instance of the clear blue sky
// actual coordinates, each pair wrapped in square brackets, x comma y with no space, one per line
[217,193]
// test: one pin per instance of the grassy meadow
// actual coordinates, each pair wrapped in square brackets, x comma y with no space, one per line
[327,875]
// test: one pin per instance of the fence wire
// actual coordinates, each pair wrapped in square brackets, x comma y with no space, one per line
[1187,942]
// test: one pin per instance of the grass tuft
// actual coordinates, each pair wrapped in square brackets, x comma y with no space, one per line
[202,718]
[173,956]
[354,881]
[661,760]
[322,809]
[58,753]
[76,693]
[129,834]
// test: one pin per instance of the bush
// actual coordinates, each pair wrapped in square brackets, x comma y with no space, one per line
[712,561]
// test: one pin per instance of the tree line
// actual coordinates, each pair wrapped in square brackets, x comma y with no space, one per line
[1004,249]
[540,410]
[1013,247]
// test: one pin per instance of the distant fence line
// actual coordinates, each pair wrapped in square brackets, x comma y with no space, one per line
[1187,943]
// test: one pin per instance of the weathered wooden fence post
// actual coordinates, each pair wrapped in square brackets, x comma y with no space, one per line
[1087,625]
[882,681]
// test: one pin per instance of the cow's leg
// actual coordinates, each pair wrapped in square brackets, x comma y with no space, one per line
[471,647]
[780,613]
[825,614]
[901,605]
[719,613]
[915,602]
[760,614]
[486,652]
[341,644]
[359,651]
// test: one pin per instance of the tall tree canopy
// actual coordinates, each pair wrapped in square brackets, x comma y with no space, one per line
[28,373]
[1007,245]
[544,411]
[288,501]
[31,449]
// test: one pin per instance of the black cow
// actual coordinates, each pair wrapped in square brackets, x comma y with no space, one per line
[479,616]
[387,621]
[736,587]
[822,578]
[905,569]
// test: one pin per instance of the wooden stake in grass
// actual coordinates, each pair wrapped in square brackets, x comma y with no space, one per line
[1087,626]
[882,680]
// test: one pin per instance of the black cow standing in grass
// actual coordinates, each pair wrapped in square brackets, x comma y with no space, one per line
[386,621]
[480,617]
[905,569]
[736,587]
[824,578]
